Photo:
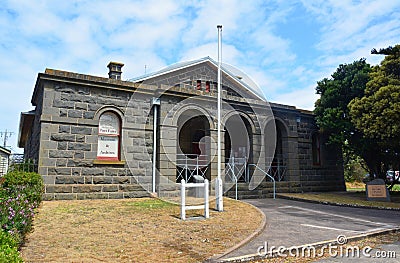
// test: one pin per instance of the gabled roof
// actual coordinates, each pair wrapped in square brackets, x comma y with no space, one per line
[25,126]
[239,77]
[5,150]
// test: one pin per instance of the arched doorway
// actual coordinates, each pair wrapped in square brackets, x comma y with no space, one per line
[193,147]
[279,161]
[238,140]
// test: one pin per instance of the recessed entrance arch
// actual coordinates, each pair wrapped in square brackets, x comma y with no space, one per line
[238,139]
[278,165]
[193,146]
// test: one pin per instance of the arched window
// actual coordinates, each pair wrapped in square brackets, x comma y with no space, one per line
[316,149]
[109,137]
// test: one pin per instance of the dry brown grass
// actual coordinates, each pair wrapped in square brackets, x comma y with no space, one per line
[134,230]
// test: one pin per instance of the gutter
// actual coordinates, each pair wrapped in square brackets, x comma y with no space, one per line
[155,103]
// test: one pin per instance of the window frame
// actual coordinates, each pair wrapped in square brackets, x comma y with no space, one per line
[117,135]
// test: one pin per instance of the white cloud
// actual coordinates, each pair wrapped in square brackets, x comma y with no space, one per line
[348,25]
[229,53]
[302,98]
[208,14]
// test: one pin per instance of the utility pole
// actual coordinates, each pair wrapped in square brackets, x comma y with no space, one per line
[6,134]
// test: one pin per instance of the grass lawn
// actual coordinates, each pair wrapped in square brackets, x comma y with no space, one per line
[134,230]
[357,186]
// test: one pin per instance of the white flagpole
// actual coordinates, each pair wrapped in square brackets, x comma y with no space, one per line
[218,186]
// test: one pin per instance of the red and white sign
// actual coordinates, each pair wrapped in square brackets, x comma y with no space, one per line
[108,140]
[107,147]
[109,124]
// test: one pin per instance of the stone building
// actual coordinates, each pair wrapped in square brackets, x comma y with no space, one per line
[96,137]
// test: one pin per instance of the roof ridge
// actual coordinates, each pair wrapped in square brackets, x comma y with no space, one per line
[183,64]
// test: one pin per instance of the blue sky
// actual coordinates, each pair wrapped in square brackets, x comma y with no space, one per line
[285,46]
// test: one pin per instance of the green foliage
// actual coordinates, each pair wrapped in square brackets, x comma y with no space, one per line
[3,192]
[332,114]
[16,215]
[28,183]
[387,51]
[9,248]
[359,109]
[354,170]
[377,113]
[20,193]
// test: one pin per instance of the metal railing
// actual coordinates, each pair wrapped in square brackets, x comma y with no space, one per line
[236,168]
[278,167]
[19,163]
[189,165]
[271,177]
[278,172]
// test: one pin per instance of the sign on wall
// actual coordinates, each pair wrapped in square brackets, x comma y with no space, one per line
[108,139]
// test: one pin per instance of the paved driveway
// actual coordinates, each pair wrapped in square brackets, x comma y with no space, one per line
[293,223]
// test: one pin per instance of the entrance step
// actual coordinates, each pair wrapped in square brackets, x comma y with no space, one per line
[264,190]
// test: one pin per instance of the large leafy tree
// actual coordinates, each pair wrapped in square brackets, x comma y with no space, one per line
[377,113]
[332,114]
[347,83]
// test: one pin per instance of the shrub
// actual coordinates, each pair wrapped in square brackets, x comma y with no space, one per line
[9,248]
[20,193]
[16,215]
[28,183]
[3,193]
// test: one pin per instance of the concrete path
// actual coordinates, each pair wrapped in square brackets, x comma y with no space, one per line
[293,223]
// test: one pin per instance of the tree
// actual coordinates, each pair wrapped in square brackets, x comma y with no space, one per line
[332,114]
[354,167]
[377,113]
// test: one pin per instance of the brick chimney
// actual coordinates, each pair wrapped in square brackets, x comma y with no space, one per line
[115,71]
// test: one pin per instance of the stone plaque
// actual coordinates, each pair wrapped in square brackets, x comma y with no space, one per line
[376,191]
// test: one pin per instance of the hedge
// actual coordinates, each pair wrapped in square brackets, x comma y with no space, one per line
[20,193]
